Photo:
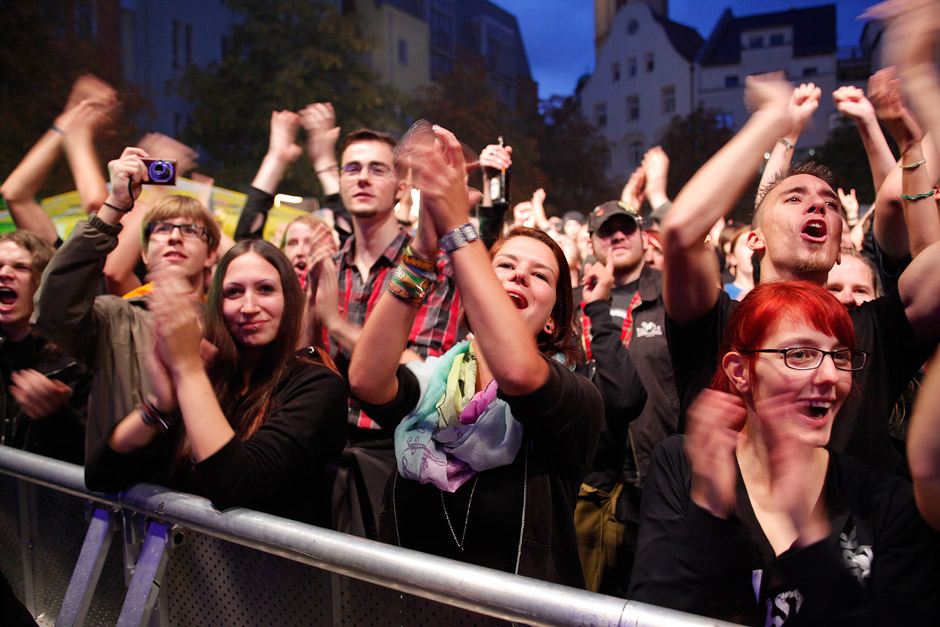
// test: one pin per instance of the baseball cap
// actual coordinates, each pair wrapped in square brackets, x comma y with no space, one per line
[612,208]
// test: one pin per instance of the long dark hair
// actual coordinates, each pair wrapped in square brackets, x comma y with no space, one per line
[562,339]
[246,409]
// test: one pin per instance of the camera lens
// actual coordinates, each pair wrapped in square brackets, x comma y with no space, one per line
[160,171]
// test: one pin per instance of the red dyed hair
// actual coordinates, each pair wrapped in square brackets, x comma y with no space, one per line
[769,304]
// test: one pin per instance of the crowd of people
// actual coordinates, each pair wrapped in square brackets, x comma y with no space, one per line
[642,398]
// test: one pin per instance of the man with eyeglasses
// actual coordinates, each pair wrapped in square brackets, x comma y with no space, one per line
[795,235]
[112,335]
[347,288]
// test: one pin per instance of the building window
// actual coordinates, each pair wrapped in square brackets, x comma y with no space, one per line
[615,71]
[632,27]
[650,62]
[177,36]
[755,41]
[633,108]
[631,66]
[182,44]
[129,43]
[732,81]
[403,51]
[725,120]
[189,44]
[600,112]
[810,71]
[777,39]
[669,99]
[635,153]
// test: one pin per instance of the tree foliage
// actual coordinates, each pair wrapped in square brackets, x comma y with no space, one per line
[573,155]
[692,140]
[42,52]
[556,149]
[284,54]
[844,154]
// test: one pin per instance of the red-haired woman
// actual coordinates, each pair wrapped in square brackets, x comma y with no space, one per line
[492,438]
[750,518]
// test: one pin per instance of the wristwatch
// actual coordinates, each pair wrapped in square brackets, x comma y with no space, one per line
[458,238]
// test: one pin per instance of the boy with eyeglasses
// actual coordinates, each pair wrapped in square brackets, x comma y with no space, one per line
[113,335]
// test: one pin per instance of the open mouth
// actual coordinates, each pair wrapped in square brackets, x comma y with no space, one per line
[815,230]
[817,409]
[7,296]
[518,300]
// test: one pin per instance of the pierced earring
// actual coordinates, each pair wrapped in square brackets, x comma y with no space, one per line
[549,327]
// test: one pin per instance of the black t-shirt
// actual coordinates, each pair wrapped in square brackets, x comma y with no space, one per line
[861,428]
[879,565]
[561,422]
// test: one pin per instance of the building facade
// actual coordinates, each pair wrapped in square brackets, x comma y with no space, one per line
[644,76]
[801,42]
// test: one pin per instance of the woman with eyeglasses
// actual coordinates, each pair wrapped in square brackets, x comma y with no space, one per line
[750,518]
[241,417]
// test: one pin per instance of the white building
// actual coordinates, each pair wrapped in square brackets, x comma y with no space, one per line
[644,76]
[802,42]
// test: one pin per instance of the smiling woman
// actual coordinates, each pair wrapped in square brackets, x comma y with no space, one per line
[750,518]
[254,427]
[492,438]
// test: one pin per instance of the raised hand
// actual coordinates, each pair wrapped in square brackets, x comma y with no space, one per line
[90,87]
[127,169]
[803,104]
[715,420]
[633,192]
[496,156]
[38,395]
[281,143]
[598,280]
[177,325]
[441,174]
[850,205]
[770,93]
[656,170]
[319,120]
[792,462]
[851,101]
[914,26]
[885,91]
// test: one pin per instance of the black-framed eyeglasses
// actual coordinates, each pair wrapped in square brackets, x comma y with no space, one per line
[807,358]
[193,231]
[354,170]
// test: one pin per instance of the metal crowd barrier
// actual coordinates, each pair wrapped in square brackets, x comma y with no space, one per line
[183,562]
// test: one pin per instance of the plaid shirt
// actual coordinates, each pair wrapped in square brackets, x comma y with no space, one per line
[435,328]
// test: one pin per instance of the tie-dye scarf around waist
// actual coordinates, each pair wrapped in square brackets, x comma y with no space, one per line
[453,433]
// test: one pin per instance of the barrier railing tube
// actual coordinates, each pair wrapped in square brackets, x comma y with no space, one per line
[474,588]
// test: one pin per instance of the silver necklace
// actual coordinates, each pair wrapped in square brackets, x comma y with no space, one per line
[466,519]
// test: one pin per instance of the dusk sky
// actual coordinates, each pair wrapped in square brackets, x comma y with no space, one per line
[559,34]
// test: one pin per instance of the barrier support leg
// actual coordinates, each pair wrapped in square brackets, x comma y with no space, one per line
[148,578]
[87,569]
[25,493]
